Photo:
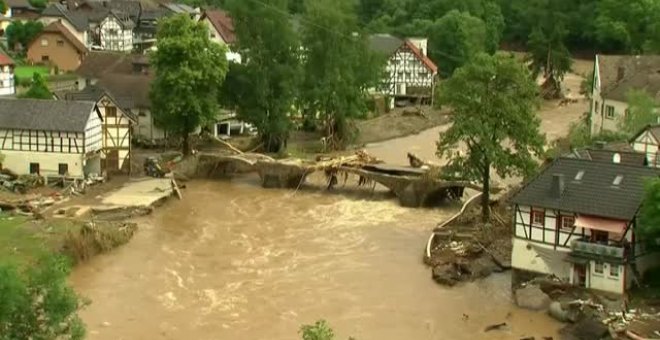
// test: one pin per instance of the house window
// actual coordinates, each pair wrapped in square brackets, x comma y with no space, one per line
[63,169]
[567,223]
[537,217]
[609,112]
[60,42]
[111,111]
[599,236]
[142,114]
[44,58]
[614,270]
[34,168]
[112,31]
[597,107]
[44,42]
[598,268]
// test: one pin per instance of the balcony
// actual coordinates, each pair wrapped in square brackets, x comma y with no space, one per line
[597,249]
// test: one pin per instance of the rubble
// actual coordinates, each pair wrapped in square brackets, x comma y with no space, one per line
[532,297]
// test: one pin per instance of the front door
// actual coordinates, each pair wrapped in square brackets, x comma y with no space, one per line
[580,275]
[112,161]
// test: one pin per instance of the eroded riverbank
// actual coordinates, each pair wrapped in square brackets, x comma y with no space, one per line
[234,261]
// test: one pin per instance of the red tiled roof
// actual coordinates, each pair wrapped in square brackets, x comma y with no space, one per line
[5,60]
[424,59]
[222,23]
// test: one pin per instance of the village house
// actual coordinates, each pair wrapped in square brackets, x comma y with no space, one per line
[116,32]
[410,74]
[614,77]
[578,220]
[76,23]
[7,85]
[51,138]
[647,142]
[57,46]
[221,31]
[117,126]
[20,10]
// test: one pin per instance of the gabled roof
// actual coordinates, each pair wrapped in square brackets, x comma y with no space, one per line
[78,20]
[179,8]
[384,43]
[124,21]
[387,44]
[594,194]
[222,23]
[627,155]
[40,114]
[654,129]
[95,93]
[18,4]
[5,60]
[99,62]
[59,28]
[620,73]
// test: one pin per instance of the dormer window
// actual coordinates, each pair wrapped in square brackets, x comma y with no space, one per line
[617,180]
[579,175]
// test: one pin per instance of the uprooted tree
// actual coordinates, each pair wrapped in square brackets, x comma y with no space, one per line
[190,70]
[336,79]
[493,99]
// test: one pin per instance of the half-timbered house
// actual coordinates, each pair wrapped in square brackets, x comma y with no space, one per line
[116,128]
[409,74]
[51,138]
[116,32]
[578,221]
[647,141]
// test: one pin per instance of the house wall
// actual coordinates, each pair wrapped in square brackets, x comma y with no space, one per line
[7,85]
[540,258]
[93,133]
[647,144]
[19,162]
[145,126]
[116,131]
[406,72]
[57,49]
[605,281]
[601,121]
[113,37]
[81,36]
[214,35]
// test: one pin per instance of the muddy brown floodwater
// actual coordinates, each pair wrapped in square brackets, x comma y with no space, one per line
[234,261]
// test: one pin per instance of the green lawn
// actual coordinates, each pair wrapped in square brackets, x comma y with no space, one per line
[23,239]
[26,71]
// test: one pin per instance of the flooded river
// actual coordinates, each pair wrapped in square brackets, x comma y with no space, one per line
[234,261]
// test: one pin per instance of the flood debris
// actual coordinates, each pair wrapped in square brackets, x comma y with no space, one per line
[497,326]
[532,297]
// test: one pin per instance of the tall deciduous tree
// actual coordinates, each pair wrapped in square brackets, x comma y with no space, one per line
[336,79]
[190,70]
[494,101]
[38,304]
[649,215]
[22,33]
[266,84]
[454,39]
[626,25]
[38,89]
[641,111]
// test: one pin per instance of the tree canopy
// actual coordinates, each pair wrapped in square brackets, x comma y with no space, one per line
[336,79]
[649,215]
[456,38]
[493,99]
[21,33]
[38,89]
[266,84]
[641,112]
[190,70]
[37,303]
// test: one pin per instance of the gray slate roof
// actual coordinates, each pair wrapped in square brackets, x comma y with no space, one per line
[620,73]
[385,43]
[44,114]
[77,19]
[594,194]
[627,157]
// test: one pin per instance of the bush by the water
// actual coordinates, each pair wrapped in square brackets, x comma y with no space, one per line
[37,303]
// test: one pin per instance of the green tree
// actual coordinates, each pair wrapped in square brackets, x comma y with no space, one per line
[3,7]
[456,38]
[626,25]
[38,89]
[40,4]
[494,100]
[336,79]
[318,331]
[190,70]
[641,111]
[649,215]
[266,84]
[22,33]
[38,304]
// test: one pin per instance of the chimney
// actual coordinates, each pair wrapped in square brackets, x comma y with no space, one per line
[620,73]
[557,188]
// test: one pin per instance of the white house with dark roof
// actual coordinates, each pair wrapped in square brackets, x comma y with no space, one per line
[221,31]
[578,221]
[410,74]
[51,138]
[647,142]
[116,32]
[614,77]
[76,23]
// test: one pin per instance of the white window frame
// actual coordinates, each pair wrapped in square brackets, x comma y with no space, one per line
[609,112]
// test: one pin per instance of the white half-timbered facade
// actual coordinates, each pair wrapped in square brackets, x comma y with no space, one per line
[7,85]
[409,73]
[51,138]
[647,142]
[116,34]
[577,221]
